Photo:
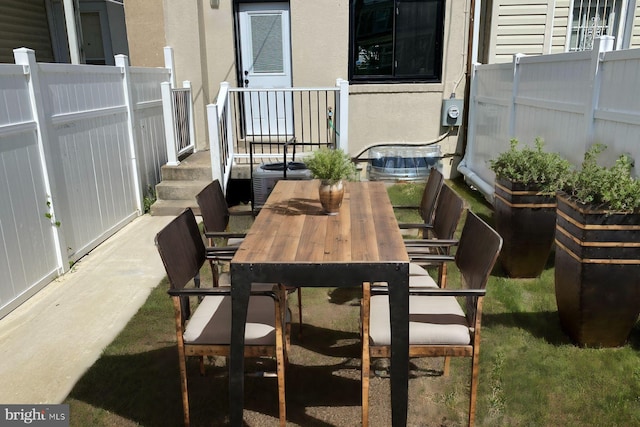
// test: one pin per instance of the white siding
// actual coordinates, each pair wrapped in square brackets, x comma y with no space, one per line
[23,23]
[519,27]
[635,37]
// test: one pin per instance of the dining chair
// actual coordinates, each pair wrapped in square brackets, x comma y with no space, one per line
[215,219]
[206,330]
[428,201]
[438,323]
[438,237]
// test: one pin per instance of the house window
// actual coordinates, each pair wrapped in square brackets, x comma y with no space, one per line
[393,40]
[594,18]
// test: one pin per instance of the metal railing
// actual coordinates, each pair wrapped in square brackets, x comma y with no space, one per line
[249,126]
[178,118]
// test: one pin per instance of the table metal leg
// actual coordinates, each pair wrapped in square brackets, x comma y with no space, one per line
[399,308]
[240,290]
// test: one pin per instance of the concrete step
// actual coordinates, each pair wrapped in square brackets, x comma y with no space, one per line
[186,172]
[179,190]
[173,207]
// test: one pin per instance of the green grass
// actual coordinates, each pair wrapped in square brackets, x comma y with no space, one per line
[530,372]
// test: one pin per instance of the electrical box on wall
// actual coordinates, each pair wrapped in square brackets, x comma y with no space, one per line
[452,112]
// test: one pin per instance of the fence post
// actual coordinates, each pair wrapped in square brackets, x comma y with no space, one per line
[122,61]
[601,44]
[170,64]
[342,116]
[514,94]
[192,127]
[27,58]
[169,131]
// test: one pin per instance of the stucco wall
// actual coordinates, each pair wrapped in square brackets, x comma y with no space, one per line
[145,32]
[203,43]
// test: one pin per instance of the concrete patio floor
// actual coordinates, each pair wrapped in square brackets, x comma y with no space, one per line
[47,343]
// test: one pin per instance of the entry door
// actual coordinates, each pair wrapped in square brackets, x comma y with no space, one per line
[265,45]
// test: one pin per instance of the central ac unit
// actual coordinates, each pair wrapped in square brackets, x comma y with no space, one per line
[267,175]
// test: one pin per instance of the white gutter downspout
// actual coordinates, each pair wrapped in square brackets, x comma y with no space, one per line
[72,31]
[470,176]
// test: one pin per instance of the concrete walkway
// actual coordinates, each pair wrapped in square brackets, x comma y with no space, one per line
[49,342]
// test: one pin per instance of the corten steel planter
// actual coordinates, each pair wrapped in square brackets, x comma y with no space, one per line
[526,221]
[597,274]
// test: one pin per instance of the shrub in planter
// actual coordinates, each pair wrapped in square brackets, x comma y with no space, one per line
[331,166]
[525,205]
[597,261]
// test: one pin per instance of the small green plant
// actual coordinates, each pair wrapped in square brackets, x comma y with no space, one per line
[331,165]
[608,188]
[149,199]
[49,214]
[532,166]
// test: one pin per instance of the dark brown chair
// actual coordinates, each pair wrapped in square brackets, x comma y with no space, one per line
[215,218]
[438,325]
[438,237]
[206,331]
[429,200]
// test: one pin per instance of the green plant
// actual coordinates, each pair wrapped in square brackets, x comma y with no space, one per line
[331,165]
[548,171]
[608,188]
[149,199]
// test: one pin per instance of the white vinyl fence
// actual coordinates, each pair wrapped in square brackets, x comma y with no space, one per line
[571,100]
[79,147]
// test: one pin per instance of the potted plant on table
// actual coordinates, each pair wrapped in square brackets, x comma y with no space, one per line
[331,166]
[597,261]
[525,205]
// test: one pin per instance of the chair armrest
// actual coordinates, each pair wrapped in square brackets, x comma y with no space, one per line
[227,234]
[220,291]
[407,225]
[221,253]
[434,292]
[430,258]
[430,242]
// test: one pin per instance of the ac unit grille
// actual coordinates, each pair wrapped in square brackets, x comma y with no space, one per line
[267,175]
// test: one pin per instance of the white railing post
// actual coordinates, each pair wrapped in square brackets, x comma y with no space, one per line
[601,45]
[169,131]
[192,127]
[27,58]
[342,118]
[170,64]
[514,94]
[122,61]
[214,145]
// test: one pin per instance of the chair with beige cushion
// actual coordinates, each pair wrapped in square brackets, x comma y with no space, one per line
[203,315]
[438,237]
[438,324]
[215,218]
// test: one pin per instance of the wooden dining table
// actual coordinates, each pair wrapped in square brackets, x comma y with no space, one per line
[293,242]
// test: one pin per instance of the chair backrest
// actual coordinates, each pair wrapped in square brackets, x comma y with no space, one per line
[477,251]
[213,207]
[181,248]
[448,213]
[430,195]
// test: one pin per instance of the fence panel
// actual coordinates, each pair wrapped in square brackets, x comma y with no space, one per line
[91,158]
[28,258]
[68,173]
[571,100]
[617,115]
[150,136]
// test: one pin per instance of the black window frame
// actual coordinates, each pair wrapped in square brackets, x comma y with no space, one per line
[438,55]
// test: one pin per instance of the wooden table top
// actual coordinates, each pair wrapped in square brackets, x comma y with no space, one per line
[292,228]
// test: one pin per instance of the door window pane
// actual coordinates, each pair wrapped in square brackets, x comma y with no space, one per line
[266,42]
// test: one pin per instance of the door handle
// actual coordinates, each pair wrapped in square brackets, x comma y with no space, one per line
[246,82]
